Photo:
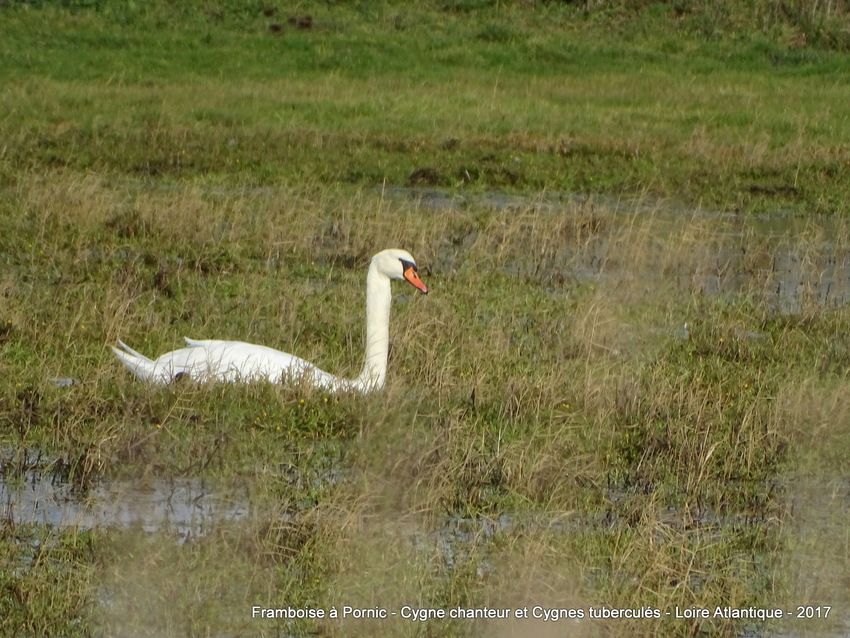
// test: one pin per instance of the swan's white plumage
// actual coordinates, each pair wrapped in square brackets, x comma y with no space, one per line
[237,361]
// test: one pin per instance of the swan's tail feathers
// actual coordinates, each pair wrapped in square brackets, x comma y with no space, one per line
[141,367]
[131,351]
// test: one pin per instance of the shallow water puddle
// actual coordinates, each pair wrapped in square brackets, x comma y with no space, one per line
[791,263]
[184,506]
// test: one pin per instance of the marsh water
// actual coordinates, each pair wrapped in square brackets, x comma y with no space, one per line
[790,264]
[184,507]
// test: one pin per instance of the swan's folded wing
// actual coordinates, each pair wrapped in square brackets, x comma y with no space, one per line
[203,343]
[231,361]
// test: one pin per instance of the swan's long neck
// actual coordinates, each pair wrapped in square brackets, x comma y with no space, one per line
[378,299]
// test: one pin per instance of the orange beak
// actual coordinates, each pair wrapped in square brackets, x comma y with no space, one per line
[413,277]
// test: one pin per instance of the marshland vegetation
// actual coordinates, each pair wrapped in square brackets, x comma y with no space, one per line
[628,386]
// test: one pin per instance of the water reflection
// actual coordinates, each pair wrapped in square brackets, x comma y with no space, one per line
[185,506]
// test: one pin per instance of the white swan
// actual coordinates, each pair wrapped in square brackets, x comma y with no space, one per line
[232,361]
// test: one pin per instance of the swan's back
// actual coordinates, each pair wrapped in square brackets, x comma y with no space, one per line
[225,361]
[229,361]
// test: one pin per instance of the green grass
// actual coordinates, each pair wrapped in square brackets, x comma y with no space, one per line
[550,434]
[539,98]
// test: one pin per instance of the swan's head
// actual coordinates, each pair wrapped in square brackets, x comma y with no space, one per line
[398,264]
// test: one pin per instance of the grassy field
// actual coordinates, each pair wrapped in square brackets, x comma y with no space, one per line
[627,387]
